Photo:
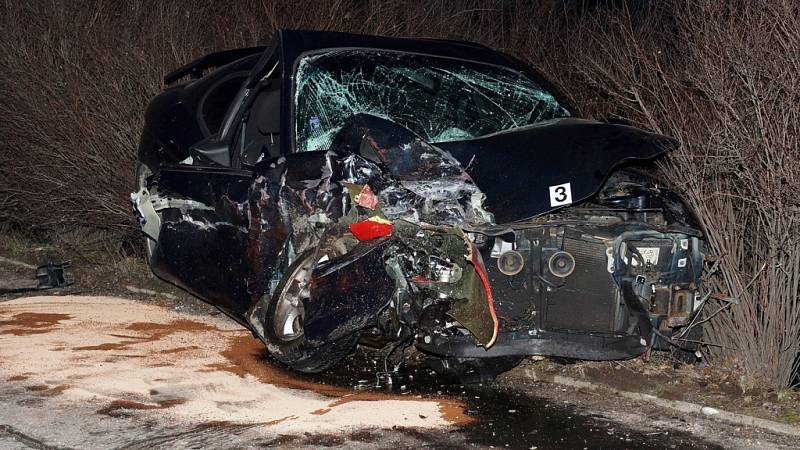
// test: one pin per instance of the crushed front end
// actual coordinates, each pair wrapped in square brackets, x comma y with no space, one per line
[412,256]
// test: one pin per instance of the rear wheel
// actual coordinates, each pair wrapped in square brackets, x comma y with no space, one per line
[284,324]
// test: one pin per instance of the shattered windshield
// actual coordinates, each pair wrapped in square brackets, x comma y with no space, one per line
[438,99]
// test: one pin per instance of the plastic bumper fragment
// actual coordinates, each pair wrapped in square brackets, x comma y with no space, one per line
[372,228]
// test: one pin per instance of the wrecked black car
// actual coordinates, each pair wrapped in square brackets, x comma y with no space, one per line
[337,189]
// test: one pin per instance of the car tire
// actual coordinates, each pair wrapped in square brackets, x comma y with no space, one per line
[283,324]
[141,174]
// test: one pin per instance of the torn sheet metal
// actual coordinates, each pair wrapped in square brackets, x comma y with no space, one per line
[380,184]
[347,293]
[450,265]
[362,195]
[46,276]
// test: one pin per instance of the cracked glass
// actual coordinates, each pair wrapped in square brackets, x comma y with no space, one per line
[439,99]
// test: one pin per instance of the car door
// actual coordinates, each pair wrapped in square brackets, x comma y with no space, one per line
[204,202]
[204,232]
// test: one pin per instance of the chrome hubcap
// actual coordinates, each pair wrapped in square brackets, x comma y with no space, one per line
[288,318]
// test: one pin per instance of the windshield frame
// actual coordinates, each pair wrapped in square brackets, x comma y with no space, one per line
[292,97]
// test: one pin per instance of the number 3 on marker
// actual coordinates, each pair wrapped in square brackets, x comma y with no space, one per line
[560,195]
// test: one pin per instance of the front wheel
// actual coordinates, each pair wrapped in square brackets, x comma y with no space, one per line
[284,323]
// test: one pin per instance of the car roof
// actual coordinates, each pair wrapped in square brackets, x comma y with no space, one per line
[294,43]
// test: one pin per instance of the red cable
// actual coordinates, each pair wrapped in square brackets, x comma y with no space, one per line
[478,263]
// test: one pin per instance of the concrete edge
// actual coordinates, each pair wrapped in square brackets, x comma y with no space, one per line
[677,405]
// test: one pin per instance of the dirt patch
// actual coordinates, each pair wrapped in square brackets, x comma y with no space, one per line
[363,436]
[28,323]
[718,387]
[152,332]
[127,358]
[56,390]
[118,408]
[179,350]
[159,330]
[247,356]
[324,440]
[38,387]
[106,346]
[453,412]
[47,390]
[281,420]
[623,377]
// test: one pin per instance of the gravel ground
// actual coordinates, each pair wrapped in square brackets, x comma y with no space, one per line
[108,372]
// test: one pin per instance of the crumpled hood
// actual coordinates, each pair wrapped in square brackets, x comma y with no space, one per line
[524,172]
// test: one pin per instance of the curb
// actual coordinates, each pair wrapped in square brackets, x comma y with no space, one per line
[677,405]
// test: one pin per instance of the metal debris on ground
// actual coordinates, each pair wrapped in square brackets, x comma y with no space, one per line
[46,276]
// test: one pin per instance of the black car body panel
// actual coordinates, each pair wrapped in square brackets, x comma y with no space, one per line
[534,239]
[341,300]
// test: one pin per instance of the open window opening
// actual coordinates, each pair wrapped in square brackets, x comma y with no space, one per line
[260,133]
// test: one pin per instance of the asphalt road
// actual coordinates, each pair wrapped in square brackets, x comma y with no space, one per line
[104,372]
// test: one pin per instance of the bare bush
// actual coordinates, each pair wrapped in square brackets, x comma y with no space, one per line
[722,77]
